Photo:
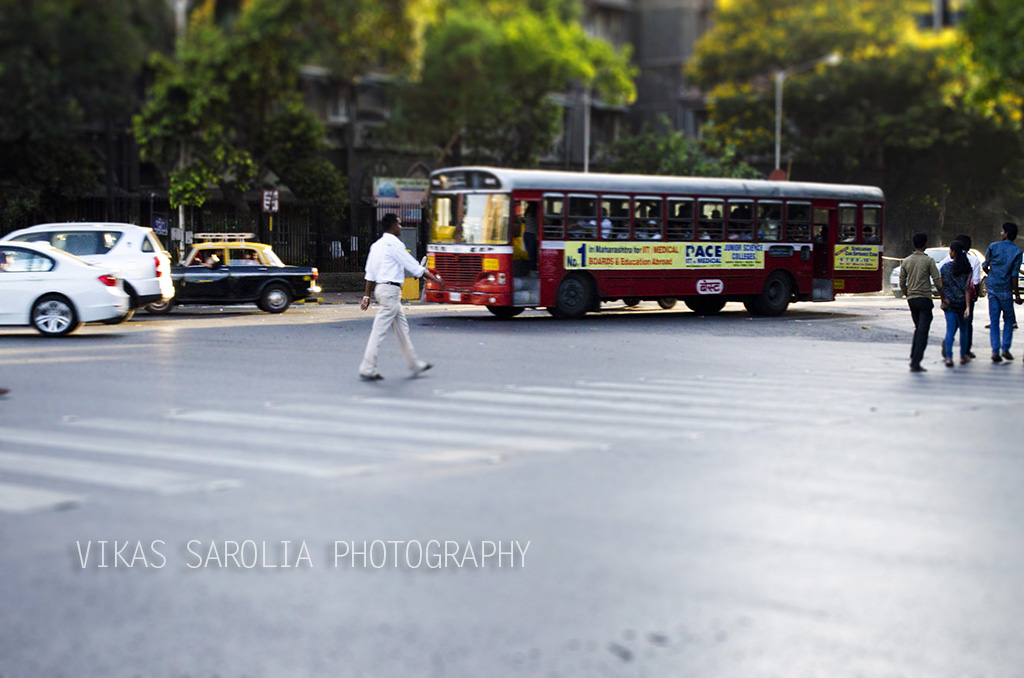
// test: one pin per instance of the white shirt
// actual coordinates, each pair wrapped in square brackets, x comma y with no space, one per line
[975,268]
[388,261]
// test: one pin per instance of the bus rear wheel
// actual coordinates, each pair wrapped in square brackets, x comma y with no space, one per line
[575,296]
[705,305]
[505,312]
[630,301]
[775,299]
[667,302]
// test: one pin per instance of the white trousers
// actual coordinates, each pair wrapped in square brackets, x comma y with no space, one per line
[389,315]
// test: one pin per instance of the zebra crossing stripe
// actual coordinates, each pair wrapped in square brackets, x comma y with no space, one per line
[22,499]
[109,475]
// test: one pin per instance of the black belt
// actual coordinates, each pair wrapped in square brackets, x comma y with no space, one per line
[388,282]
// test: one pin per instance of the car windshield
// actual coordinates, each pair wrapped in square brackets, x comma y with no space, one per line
[271,258]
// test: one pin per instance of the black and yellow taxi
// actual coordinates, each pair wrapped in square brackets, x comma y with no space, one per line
[228,268]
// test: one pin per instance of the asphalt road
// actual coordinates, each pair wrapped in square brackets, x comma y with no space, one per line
[639,493]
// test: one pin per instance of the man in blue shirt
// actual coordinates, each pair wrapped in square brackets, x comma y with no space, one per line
[1002,263]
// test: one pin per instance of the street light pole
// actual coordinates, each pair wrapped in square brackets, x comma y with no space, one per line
[780,79]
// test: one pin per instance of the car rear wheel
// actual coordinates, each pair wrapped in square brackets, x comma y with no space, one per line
[160,307]
[275,299]
[121,318]
[54,316]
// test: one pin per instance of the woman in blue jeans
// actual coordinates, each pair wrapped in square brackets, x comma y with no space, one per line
[957,293]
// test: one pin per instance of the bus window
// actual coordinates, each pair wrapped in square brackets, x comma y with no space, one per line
[847,223]
[680,219]
[769,221]
[741,220]
[615,217]
[554,217]
[872,223]
[582,217]
[442,223]
[798,221]
[712,225]
[647,217]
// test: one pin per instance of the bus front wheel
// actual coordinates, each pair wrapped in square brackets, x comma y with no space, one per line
[705,305]
[505,312]
[775,299]
[575,296]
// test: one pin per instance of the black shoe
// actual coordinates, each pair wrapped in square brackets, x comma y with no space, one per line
[1007,355]
[996,358]
[917,368]
[4,391]
[371,377]
[970,354]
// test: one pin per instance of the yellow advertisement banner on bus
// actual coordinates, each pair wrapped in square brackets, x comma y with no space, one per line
[856,257]
[647,255]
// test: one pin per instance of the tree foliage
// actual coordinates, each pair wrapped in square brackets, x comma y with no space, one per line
[64,63]
[489,70]
[664,151]
[898,110]
[231,93]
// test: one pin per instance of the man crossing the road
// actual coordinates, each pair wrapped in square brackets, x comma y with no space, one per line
[386,266]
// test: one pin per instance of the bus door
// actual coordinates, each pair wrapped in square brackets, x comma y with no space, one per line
[824,232]
[525,252]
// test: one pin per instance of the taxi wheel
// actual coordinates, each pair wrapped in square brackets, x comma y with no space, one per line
[275,299]
[54,316]
[121,318]
[160,307]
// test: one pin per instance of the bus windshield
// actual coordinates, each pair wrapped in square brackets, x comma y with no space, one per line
[470,218]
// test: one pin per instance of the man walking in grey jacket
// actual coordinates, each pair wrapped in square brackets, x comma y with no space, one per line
[917,274]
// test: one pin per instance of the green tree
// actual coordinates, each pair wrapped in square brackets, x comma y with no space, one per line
[893,112]
[489,70]
[64,63]
[231,94]
[670,152]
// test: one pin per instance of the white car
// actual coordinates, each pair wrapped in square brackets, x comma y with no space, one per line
[56,292]
[133,251]
[938,254]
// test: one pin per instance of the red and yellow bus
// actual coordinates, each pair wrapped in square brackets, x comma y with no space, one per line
[516,239]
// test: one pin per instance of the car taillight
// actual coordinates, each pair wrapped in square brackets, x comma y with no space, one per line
[108,280]
[156,262]
[316,274]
